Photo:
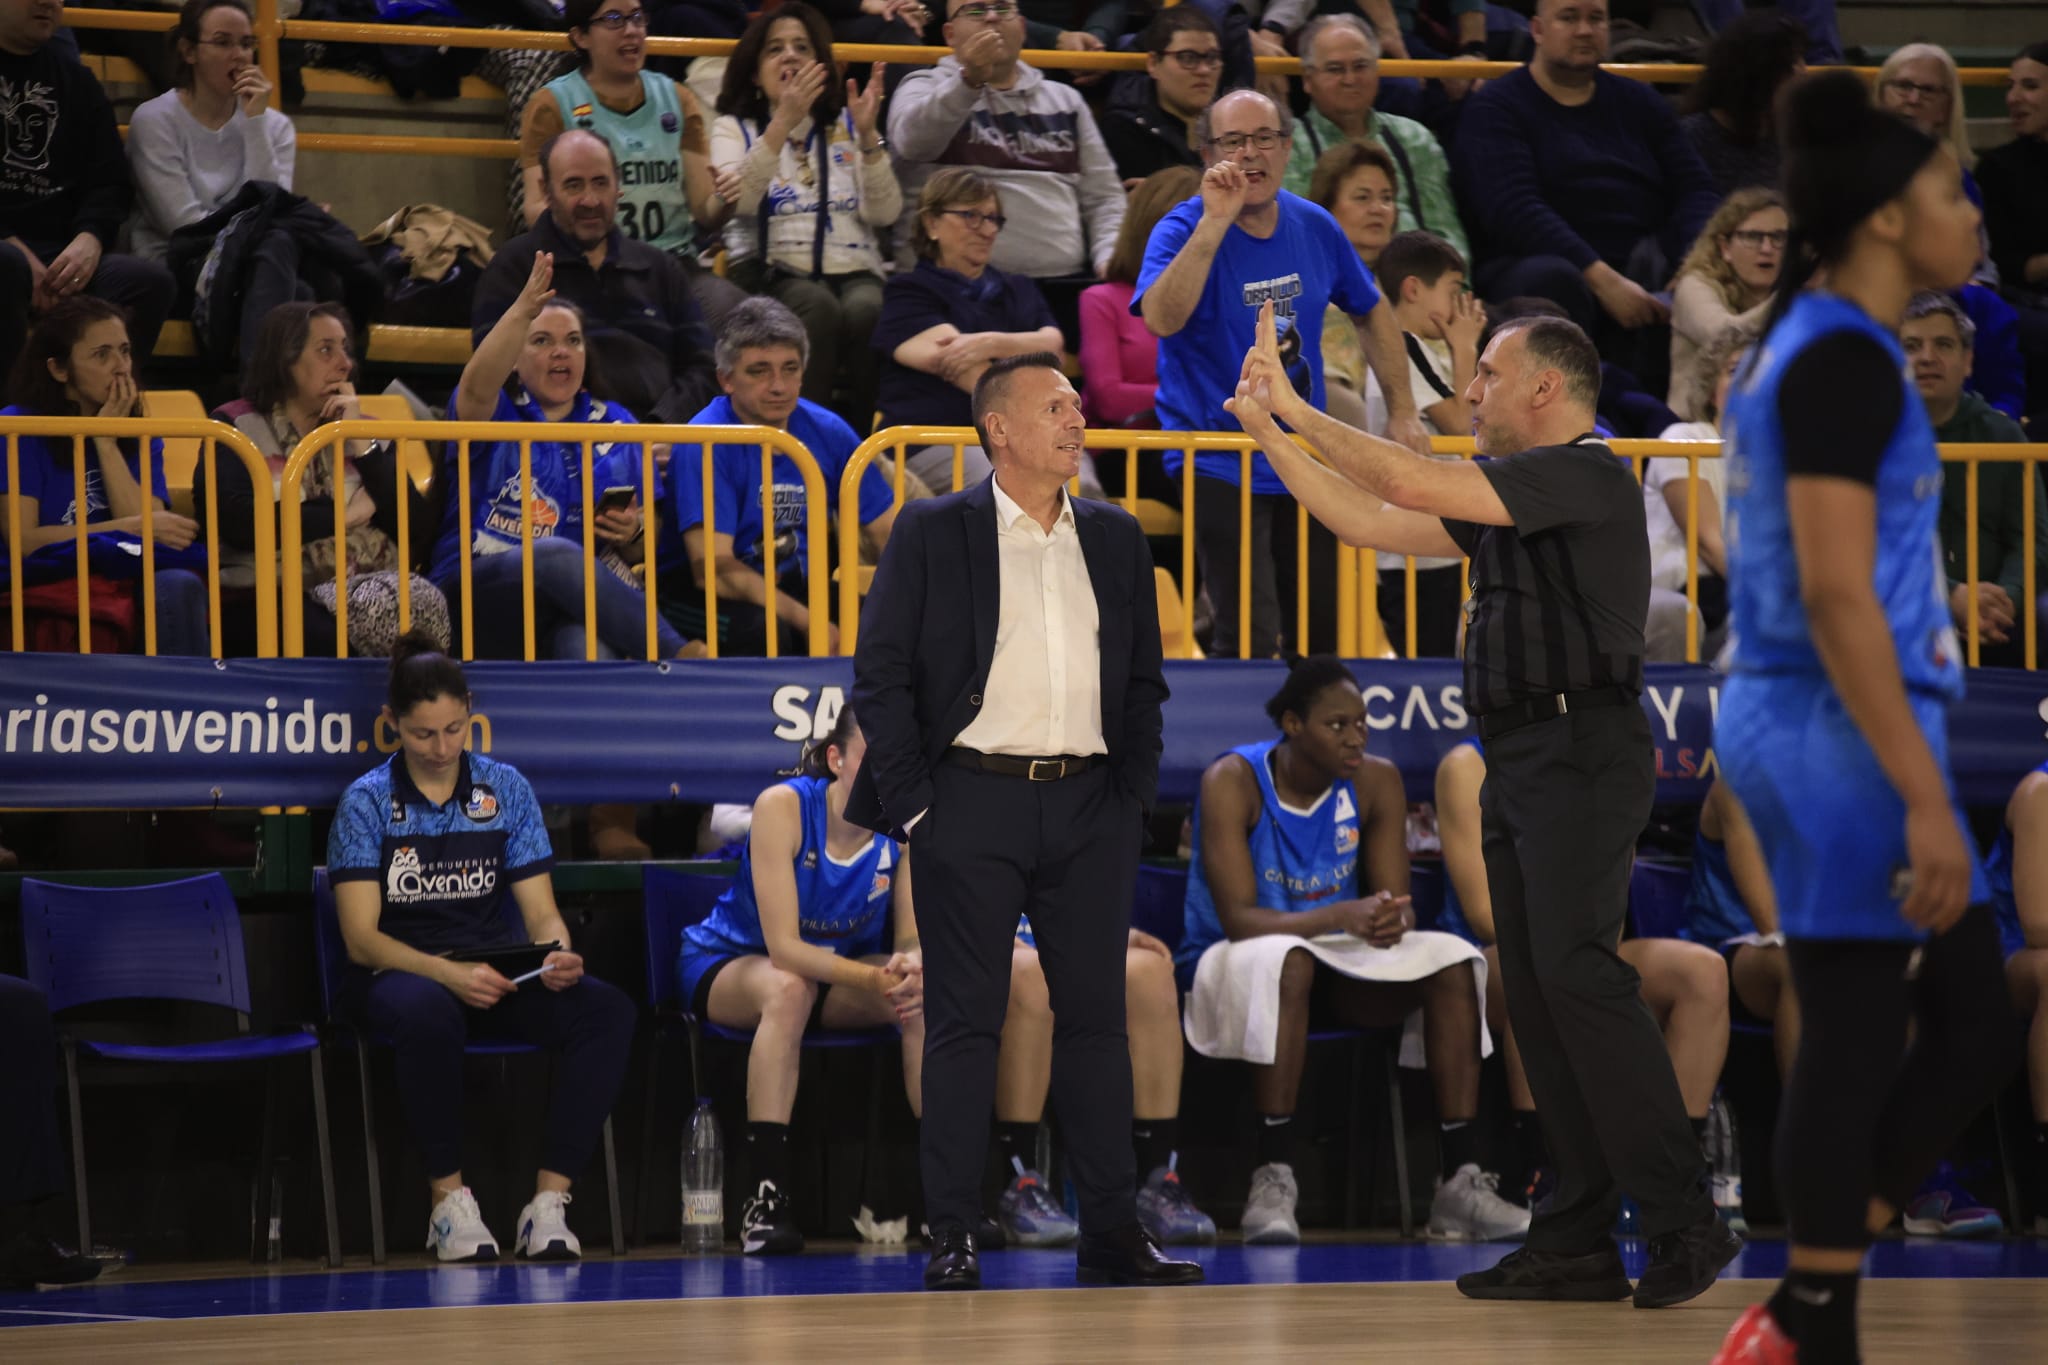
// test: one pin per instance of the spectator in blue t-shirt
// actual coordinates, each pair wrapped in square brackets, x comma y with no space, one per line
[77,362]
[1210,264]
[1578,185]
[437,857]
[944,321]
[761,356]
[539,342]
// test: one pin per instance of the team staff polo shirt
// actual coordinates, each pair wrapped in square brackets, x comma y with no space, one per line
[444,870]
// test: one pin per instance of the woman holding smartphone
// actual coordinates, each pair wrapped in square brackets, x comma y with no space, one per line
[437,855]
[534,367]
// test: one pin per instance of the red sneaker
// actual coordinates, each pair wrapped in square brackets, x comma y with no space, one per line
[1757,1339]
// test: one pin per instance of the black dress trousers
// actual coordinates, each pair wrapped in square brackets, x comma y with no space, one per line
[1564,801]
[990,849]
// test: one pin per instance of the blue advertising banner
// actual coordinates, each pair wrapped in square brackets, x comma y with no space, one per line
[122,731]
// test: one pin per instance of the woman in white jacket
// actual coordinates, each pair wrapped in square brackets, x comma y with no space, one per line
[192,148]
[810,182]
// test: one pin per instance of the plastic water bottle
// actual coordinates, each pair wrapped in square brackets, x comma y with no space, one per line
[1724,1155]
[703,1184]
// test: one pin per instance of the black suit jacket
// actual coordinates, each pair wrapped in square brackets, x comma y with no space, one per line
[928,636]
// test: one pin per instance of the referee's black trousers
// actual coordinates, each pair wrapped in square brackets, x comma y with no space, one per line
[32,1164]
[1565,799]
[993,848]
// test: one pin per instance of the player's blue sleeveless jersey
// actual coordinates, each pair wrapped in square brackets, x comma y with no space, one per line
[843,907]
[1998,873]
[1714,912]
[1302,859]
[1770,631]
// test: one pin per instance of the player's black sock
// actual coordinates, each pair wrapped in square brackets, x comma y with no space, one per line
[1460,1144]
[2036,1163]
[1154,1141]
[768,1153]
[1019,1141]
[1819,1312]
[1276,1139]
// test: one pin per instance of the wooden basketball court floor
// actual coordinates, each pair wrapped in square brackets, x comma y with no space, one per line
[1963,1303]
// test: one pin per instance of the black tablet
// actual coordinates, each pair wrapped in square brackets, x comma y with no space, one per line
[512,960]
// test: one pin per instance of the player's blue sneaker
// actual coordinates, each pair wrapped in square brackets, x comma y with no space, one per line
[1030,1216]
[1951,1213]
[1168,1214]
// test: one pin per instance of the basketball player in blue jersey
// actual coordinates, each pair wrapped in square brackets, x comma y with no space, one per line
[804,938]
[2018,873]
[1280,831]
[1833,730]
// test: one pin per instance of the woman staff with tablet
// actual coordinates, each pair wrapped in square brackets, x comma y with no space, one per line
[440,860]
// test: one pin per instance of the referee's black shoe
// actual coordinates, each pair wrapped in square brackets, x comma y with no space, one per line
[1683,1264]
[1527,1273]
[1130,1256]
[954,1262]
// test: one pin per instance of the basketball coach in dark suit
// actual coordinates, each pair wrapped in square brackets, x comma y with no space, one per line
[1008,680]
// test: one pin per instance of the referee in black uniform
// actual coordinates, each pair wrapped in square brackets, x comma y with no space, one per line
[1553,523]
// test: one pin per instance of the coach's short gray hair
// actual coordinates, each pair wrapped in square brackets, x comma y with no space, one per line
[759,321]
[1323,23]
[1929,304]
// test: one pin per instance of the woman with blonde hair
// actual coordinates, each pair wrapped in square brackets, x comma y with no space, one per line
[1726,280]
[1920,84]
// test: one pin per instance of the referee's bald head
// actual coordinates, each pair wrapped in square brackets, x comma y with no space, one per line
[1538,384]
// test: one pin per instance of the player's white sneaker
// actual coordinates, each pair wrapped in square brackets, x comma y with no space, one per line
[456,1231]
[1468,1208]
[1269,1208]
[544,1230]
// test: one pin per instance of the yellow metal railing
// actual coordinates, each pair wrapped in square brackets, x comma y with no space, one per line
[587,436]
[82,430]
[271,29]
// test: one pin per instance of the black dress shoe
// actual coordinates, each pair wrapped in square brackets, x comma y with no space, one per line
[988,1234]
[1683,1264]
[954,1262]
[29,1259]
[1527,1273]
[1129,1256]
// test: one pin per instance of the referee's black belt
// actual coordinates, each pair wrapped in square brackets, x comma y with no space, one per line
[1498,722]
[1031,769]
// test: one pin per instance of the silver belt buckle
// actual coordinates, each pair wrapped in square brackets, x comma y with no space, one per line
[1058,766]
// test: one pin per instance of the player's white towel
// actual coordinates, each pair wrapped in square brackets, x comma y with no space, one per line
[1234,1010]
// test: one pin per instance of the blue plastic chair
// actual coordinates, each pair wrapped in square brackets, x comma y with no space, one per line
[331,954]
[674,899]
[1159,909]
[1656,898]
[174,941]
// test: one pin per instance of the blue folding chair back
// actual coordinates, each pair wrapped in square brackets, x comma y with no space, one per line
[1160,907]
[172,941]
[673,900]
[1656,898]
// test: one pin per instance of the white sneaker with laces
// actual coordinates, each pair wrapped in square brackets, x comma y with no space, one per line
[544,1230]
[1269,1208]
[1468,1208]
[456,1231]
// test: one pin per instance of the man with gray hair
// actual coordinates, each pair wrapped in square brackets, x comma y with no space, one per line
[760,355]
[1940,341]
[1554,526]
[1210,264]
[1340,74]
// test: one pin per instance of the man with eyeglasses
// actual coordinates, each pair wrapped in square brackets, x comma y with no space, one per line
[1583,186]
[1209,266]
[1340,74]
[1150,124]
[64,189]
[1034,139]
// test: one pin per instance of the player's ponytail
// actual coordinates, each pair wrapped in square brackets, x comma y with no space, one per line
[815,761]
